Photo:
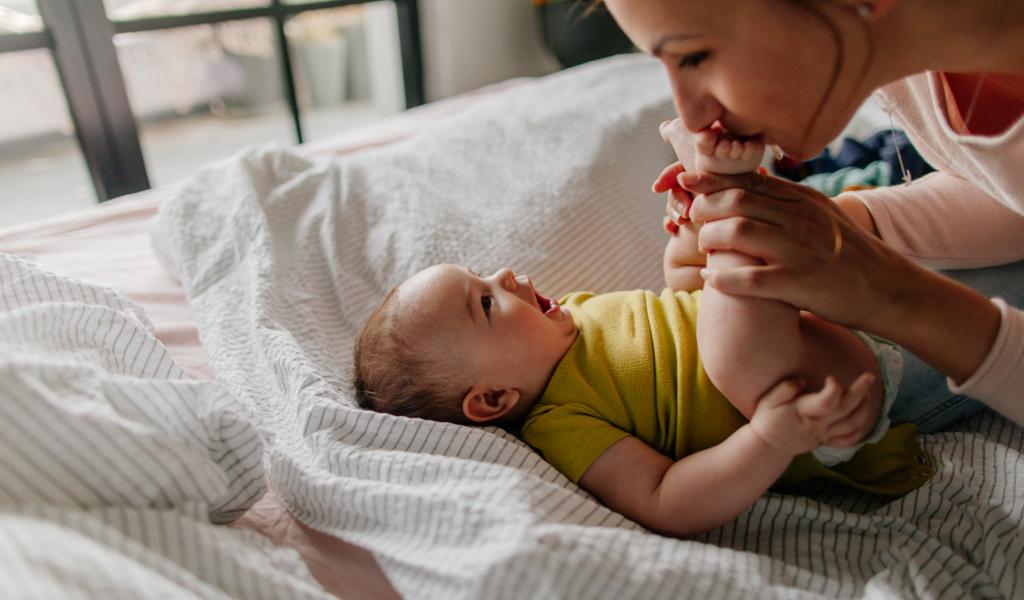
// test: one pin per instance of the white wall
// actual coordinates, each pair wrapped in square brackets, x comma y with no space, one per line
[471,43]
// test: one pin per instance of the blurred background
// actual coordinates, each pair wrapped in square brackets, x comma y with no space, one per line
[101,98]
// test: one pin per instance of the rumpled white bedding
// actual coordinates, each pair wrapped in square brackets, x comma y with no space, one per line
[114,467]
[283,259]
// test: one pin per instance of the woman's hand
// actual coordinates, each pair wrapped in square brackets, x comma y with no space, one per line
[678,201]
[815,256]
[682,261]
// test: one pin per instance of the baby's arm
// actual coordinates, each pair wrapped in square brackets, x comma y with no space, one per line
[712,487]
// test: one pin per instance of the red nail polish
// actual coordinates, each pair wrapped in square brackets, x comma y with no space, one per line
[672,227]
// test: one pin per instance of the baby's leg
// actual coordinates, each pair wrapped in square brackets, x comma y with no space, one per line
[748,345]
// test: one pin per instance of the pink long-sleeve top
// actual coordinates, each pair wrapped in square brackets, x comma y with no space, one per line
[968,214]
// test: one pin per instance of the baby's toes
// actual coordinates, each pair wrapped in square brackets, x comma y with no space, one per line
[705,142]
[723,149]
[736,152]
[752,149]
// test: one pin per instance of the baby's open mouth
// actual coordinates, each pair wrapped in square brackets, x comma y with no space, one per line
[544,303]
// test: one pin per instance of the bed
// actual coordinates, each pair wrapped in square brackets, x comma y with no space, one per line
[238,467]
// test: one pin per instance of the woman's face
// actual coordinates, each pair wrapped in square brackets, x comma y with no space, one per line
[761,67]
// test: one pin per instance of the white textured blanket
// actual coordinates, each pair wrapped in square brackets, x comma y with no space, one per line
[113,465]
[283,259]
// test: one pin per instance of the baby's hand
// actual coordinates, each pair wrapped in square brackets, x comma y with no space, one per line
[795,425]
[720,152]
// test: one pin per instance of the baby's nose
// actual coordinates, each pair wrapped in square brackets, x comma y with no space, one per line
[507,279]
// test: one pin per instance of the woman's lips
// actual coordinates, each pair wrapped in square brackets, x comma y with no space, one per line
[718,129]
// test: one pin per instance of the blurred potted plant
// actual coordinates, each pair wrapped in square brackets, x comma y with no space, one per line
[576,35]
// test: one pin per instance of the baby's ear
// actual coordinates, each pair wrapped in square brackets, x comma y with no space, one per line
[482,405]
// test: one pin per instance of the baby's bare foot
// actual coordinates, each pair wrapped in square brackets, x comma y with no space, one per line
[719,152]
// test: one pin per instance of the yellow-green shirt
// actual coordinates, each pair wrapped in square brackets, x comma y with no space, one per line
[634,370]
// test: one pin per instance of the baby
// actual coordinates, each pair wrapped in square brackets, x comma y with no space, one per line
[612,391]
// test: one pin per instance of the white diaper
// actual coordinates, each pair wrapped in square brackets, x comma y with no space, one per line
[890,363]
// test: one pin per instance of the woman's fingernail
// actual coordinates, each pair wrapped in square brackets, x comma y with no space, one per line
[762,171]
[687,179]
[705,273]
[672,227]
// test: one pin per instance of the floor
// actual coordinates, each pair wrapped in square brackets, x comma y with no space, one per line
[46,179]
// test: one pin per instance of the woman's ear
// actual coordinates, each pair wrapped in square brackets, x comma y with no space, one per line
[482,405]
[873,10]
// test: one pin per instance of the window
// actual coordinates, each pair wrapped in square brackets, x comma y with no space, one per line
[42,171]
[152,89]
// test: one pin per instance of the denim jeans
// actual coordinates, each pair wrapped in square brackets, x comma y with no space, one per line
[924,398]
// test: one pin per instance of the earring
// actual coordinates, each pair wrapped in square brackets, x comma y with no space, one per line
[865,11]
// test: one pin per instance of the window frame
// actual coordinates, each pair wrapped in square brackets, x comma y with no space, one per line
[80,35]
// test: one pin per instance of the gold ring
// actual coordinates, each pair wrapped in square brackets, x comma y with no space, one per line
[837,239]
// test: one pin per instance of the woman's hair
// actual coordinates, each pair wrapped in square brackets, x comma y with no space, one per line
[812,7]
[395,374]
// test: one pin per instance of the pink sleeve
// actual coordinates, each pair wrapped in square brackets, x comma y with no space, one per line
[999,381]
[943,221]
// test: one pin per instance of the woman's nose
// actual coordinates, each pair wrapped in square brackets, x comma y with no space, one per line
[696,108]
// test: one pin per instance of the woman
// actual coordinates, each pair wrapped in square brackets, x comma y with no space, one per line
[794,72]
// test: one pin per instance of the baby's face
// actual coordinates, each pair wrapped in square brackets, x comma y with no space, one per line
[510,334]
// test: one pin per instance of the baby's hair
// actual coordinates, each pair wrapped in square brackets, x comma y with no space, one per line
[395,376]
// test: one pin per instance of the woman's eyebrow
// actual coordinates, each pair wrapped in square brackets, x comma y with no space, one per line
[659,47]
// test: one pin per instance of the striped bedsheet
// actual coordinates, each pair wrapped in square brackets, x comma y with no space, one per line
[114,467]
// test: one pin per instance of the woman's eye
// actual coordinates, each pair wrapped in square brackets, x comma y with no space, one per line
[485,302]
[692,61]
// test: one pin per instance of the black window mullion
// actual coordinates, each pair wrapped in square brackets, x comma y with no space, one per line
[412,60]
[16,42]
[87,62]
[288,78]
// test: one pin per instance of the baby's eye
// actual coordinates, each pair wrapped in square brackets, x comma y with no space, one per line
[692,61]
[485,302]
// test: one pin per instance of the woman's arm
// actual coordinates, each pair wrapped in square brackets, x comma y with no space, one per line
[944,222]
[819,259]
